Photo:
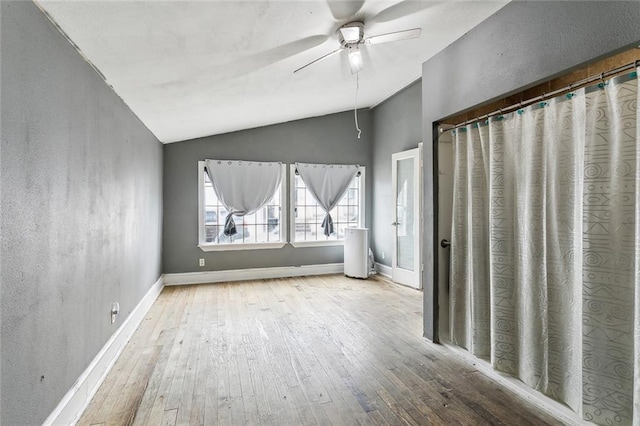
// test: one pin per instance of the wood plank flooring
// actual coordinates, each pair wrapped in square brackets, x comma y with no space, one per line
[326,350]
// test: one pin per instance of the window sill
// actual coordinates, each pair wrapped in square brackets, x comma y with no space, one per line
[317,243]
[234,247]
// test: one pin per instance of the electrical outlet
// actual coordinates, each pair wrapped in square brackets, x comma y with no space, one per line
[382,254]
[201,262]
[115,310]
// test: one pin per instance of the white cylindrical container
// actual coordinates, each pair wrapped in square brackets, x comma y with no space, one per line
[356,252]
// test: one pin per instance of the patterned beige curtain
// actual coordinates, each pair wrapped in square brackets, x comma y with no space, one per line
[470,242]
[611,257]
[545,273]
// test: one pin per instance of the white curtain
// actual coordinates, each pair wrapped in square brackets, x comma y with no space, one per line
[328,184]
[545,254]
[243,187]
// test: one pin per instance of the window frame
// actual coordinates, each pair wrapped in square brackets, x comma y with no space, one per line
[292,213]
[207,247]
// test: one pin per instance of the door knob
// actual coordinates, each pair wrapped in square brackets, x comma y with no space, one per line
[395,224]
[445,243]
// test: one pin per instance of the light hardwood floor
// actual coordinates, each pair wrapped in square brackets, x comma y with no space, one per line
[296,351]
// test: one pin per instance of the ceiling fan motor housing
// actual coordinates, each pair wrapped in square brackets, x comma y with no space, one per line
[351,33]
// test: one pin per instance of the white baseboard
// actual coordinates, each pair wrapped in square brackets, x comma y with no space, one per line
[383,270]
[252,274]
[548,405]
[74,403]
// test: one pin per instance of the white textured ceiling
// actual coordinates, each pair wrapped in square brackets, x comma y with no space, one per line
[189,69]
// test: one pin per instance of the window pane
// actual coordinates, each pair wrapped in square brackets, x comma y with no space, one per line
[306,214]
[261,234]
[249,233]
[210,195]
[310,200]
[274,234]
[302,228]
[343,214]
[300,195]
[210,216]
[211,233]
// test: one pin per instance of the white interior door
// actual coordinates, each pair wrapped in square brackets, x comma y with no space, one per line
[406,177]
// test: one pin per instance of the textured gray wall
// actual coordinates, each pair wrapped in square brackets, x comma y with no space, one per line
[327,139]
[523,44]
[397,126]
[81,195]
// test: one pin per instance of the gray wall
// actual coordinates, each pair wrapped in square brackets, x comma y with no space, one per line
[523,44]
[327,139]
[81,195]
[397,126]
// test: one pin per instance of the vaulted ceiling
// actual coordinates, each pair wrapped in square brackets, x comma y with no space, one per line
[196,68]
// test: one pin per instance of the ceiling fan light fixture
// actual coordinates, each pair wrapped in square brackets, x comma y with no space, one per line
[355,59]
[350,34]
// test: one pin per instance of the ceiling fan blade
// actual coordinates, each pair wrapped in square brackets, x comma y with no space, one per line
[268,57]
[344,9]
[319,59]
[402,9]
[396,36]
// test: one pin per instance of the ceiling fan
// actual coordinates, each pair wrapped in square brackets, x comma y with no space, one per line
[351,36]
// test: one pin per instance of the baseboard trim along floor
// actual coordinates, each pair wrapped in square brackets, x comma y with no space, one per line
[76,400]
[554,408]
[252,274]
[383,270]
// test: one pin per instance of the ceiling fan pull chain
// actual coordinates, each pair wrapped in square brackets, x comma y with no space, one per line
[355,108]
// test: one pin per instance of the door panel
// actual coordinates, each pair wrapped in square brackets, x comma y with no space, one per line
[405,172]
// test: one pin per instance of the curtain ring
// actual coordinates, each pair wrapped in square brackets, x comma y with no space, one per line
[602,83]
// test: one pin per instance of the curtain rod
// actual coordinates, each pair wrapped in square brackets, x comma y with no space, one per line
[572,86]
[297,173]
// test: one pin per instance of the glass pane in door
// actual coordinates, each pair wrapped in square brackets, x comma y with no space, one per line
[405,234]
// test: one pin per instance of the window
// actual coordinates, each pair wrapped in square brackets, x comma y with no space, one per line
[307,215]
[265,228]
